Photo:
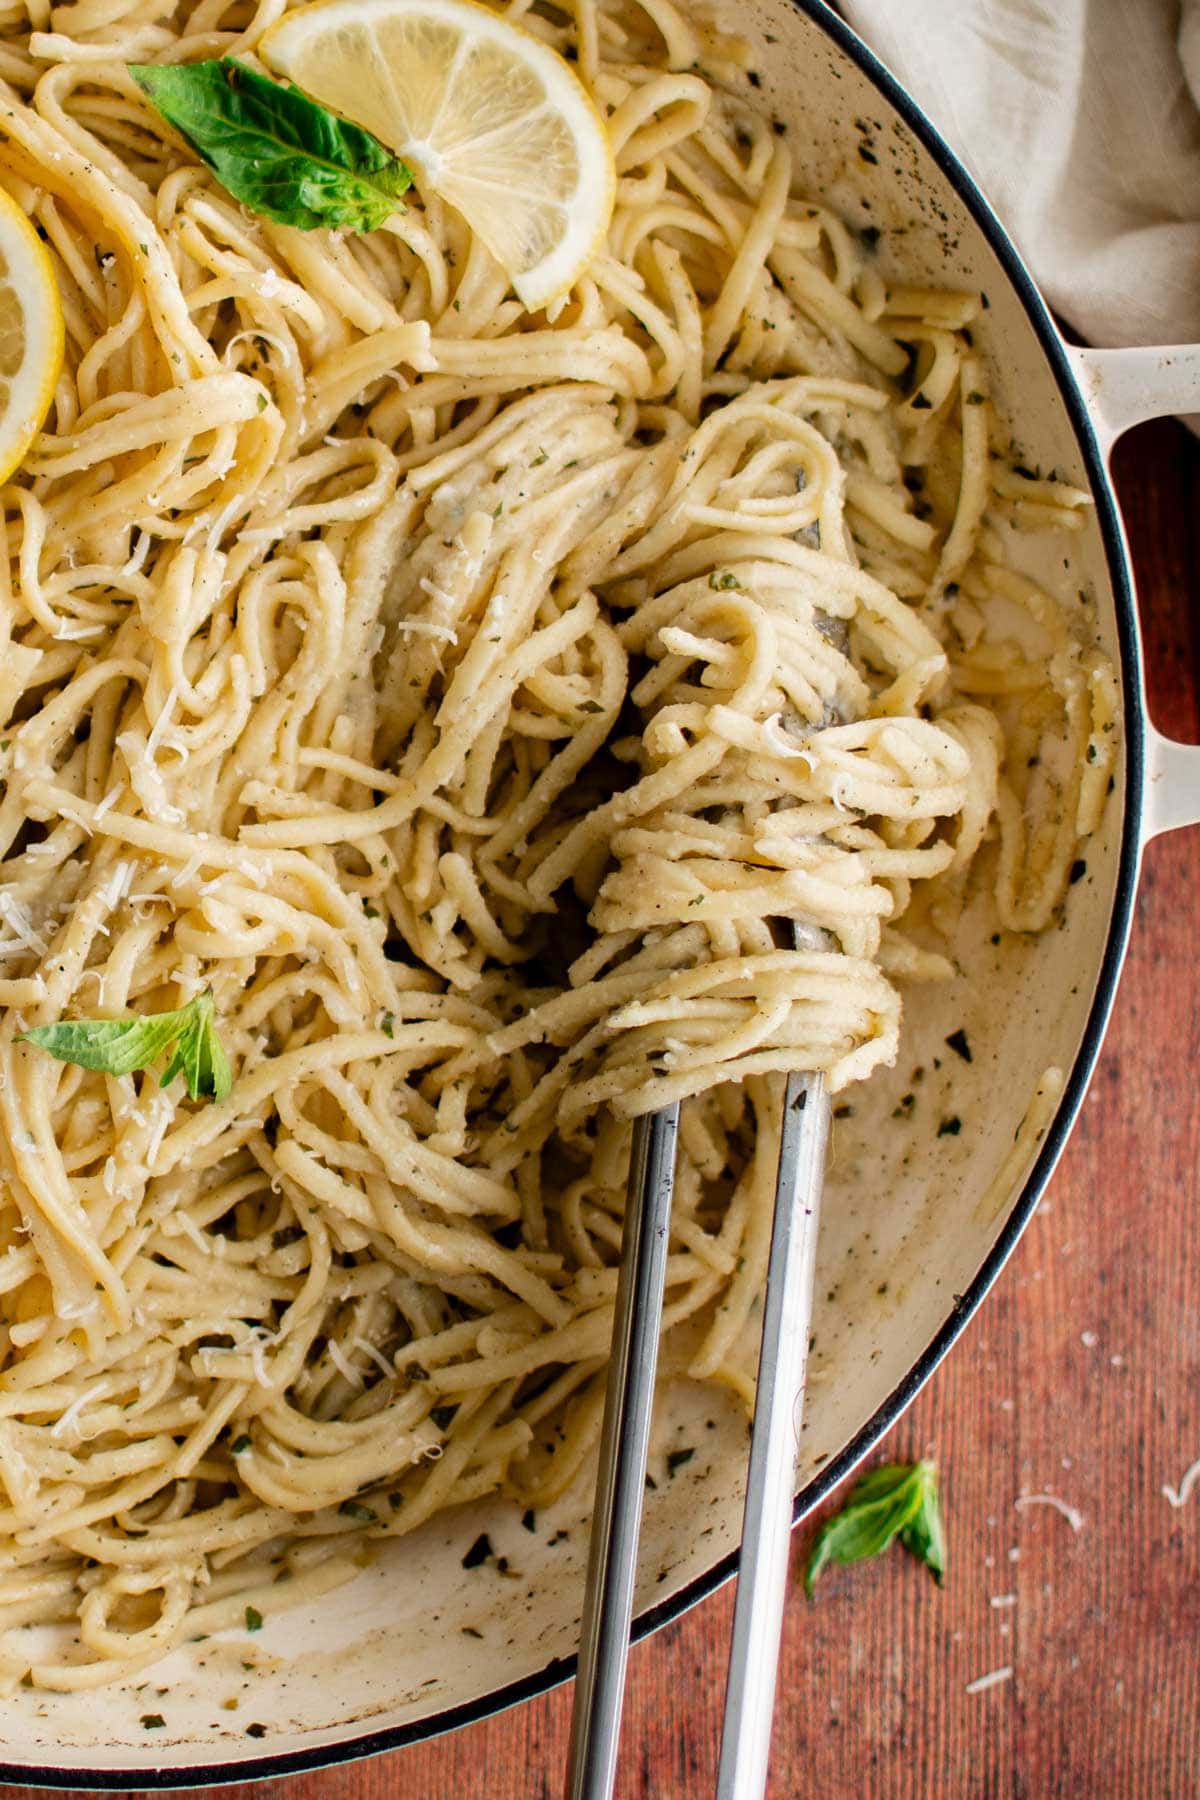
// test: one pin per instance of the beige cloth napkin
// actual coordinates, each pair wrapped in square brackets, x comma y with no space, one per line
[1080,119]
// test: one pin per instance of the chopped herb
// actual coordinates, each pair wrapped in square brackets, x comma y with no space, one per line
[541,457]
[387,1024]
[354,1509]
[950,1127]
[723,580]
[975,398]
[260,400]
[479,1552]
[372,912]
[868,156]
[152,1721]
[677,1458]
[256,1730]
[470,1631]
[240,1445]
[528,1520]
[1078,871]
[254,1619]
[843,1112]
[899,1500]
[958,1043]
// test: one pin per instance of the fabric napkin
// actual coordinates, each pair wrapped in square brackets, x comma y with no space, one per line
[1080,119]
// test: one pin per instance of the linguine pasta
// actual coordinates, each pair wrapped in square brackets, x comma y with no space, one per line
[458,695]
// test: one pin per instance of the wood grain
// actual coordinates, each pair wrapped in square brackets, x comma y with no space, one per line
[1081,1375]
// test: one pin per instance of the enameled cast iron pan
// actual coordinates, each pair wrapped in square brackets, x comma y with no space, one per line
[419,1644]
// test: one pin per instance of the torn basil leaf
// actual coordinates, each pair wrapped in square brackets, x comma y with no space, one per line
[119,1046]
[899,1500]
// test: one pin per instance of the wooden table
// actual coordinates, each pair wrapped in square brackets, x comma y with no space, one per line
[1080,1374]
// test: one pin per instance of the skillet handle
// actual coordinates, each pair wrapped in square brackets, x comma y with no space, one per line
[1124,387]
[1121,388]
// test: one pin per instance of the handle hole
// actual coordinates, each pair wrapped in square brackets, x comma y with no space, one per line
[1156,468]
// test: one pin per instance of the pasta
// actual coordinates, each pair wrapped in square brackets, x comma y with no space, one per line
[459,696]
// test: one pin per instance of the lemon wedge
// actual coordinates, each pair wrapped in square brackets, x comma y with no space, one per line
[31,333]
[484,114]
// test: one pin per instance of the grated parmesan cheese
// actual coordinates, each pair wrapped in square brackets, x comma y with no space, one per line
[1071,1514]
[992,1679]
[341,1365]
[118,885]
[375,1355]
[772,730]
[183,1222]
[70,1418]
[1178,1497]
[16,916]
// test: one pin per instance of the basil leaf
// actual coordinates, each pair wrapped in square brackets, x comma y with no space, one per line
[899,1500]
[113,1046]
[925,1537]
[199,1057]
[273,148]
[119,1046]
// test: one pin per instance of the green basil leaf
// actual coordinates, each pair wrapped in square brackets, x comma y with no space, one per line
[113,1046]
[119,1046]
[199,1057]
[899,1500]
[273,148]
[925,1537]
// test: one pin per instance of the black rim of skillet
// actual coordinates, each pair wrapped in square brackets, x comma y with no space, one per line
[372,1743]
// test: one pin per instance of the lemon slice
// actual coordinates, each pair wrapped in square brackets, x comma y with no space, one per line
[31,333]
[484,114]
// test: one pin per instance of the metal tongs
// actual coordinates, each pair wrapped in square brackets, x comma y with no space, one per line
[770,1484]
